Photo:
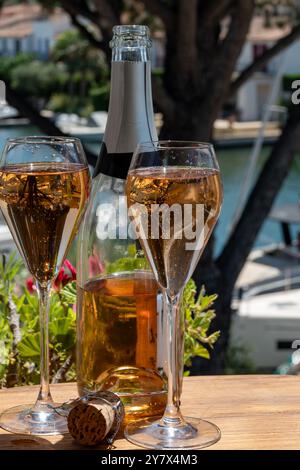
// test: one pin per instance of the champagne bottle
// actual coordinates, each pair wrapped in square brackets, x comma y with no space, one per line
[117,314]
[130,114]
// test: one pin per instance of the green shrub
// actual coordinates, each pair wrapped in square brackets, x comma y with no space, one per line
[20,331]
[100,97]
[64,103]
[8,64]
[38,79]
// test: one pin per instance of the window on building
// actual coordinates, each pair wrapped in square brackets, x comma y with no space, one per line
[17,46]
[4,45]
[46,46]
[39,46]
[30,43]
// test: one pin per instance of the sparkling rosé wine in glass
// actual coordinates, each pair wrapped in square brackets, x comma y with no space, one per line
[174,197]
[44,186]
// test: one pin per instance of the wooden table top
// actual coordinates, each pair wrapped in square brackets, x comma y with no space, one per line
[253,412]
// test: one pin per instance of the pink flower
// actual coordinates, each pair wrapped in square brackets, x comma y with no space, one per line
[95,265]
[71,268]
[30,285]
[63,277]
[66,274]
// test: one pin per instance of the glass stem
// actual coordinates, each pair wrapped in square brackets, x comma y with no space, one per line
[174,343]
[44,397]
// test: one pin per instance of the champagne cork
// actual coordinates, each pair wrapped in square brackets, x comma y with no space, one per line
[95,418]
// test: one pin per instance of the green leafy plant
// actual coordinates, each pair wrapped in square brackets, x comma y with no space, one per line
[19,322]
[198,317]
[20,333]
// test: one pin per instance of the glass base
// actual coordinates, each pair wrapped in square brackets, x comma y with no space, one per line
[193,433]
[23,419]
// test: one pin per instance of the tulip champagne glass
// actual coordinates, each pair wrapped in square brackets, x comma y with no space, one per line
[44,186]
[174,196]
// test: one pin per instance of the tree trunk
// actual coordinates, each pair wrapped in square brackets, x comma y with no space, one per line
[198,68]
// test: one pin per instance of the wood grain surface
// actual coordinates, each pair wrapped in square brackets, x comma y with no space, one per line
[253,412]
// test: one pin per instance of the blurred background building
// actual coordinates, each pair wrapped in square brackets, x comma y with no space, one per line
[30,29]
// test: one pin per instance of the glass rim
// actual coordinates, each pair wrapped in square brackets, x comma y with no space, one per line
[40,139]
[176,144]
